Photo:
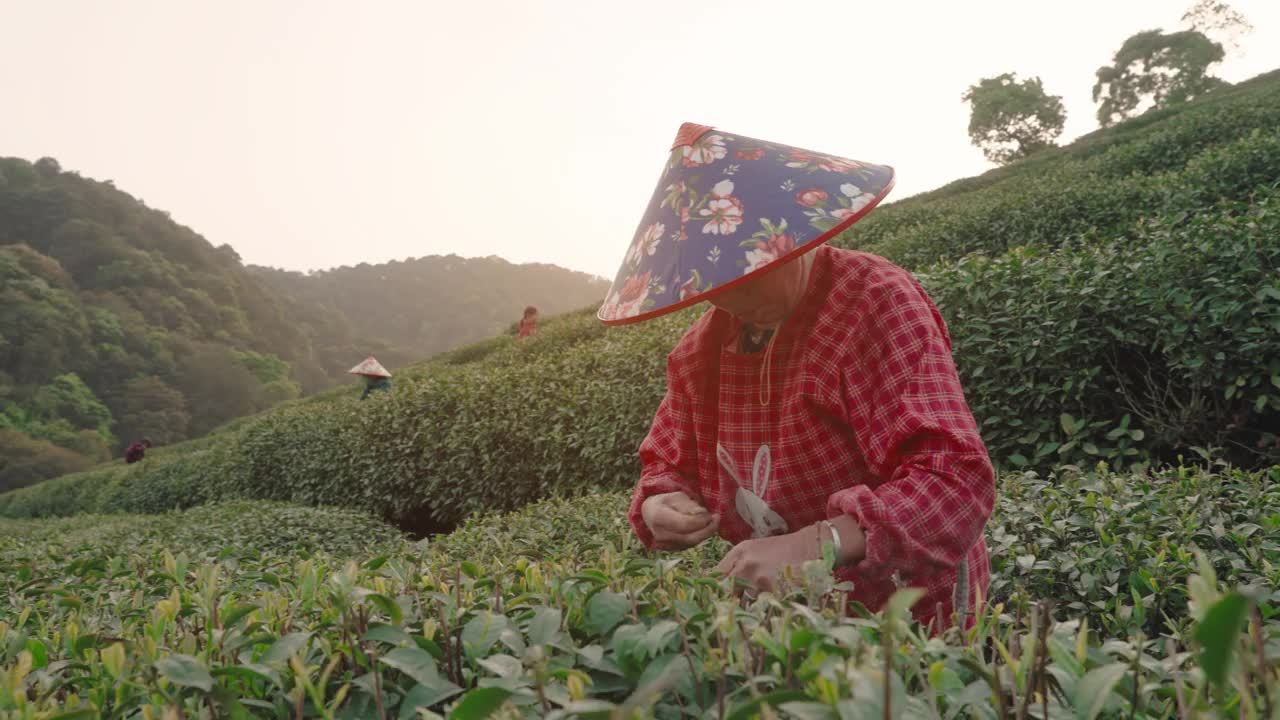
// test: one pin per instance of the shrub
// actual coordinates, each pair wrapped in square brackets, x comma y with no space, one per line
[1115,549]
[25,460]
[254,609]
[1127,350]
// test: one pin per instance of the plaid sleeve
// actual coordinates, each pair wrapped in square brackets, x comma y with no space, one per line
[668,454]
[904,401]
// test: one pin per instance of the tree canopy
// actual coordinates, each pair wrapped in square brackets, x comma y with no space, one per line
[1154,69]
[1219,22]
[1011,119]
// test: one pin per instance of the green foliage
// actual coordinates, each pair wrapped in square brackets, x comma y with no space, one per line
[218,387]
[1217,18]
[1155,67]
[263,610]
[1118,549]
[68,398]
[244,529]
[25,460]
[272,373]
[42,327]
[401,311]
[148,407]
[1010,120]
[92,282]
[1101,197]
[1115,549]
[1156,141]
[264,366]
[1129,349]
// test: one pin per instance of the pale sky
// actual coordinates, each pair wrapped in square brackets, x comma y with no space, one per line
[313,134]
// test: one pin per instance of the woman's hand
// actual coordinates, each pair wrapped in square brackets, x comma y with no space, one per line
[761,560]
[677,522]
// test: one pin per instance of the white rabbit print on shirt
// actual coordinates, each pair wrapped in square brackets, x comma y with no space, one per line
[750,503]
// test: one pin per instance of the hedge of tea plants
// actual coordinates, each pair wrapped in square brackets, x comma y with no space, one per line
[1153,145]
[1143,346]
[1112,548]
[1070,201]
[555,612]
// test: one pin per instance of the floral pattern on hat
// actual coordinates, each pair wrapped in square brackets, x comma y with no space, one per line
[727,206]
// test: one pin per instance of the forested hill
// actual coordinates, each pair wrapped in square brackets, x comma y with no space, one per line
[425,305]
[117,322]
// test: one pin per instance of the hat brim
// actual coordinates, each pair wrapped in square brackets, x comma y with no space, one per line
[738,282]
[369,367]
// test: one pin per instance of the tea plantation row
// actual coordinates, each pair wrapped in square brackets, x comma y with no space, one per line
[1182,161]
[1142,346]
[555,612]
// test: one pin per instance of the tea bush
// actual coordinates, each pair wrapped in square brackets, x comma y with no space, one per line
[1076,201]
[1115,549]
[239,528]
[1124,350]
[214,613]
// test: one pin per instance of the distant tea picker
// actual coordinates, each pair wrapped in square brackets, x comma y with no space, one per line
[137,451]
[528,326]
[375,376]
[816,401]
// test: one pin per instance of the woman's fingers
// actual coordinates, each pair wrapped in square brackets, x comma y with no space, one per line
[742,563]
[672,528]
[677,514]
[684,504]
[705,532]
[675,522]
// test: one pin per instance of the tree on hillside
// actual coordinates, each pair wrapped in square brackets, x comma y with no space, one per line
[48,167]
[1158,69]
[1011,119]
[67,398]
[1219,22]
[43,331]
[146,406]
[25,460]
[217,387]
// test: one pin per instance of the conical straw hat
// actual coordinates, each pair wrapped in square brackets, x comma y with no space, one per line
[727,207]
[370,367]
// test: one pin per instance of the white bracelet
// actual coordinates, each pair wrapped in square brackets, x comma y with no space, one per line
[835,538]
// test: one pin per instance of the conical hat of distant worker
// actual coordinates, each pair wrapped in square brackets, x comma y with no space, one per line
[729,208]
[370,367]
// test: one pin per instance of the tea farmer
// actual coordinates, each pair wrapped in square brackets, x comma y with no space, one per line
[816,401]
[529,323]
[137,451]
[375,376]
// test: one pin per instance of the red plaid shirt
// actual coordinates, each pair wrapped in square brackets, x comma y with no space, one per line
[866,418]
